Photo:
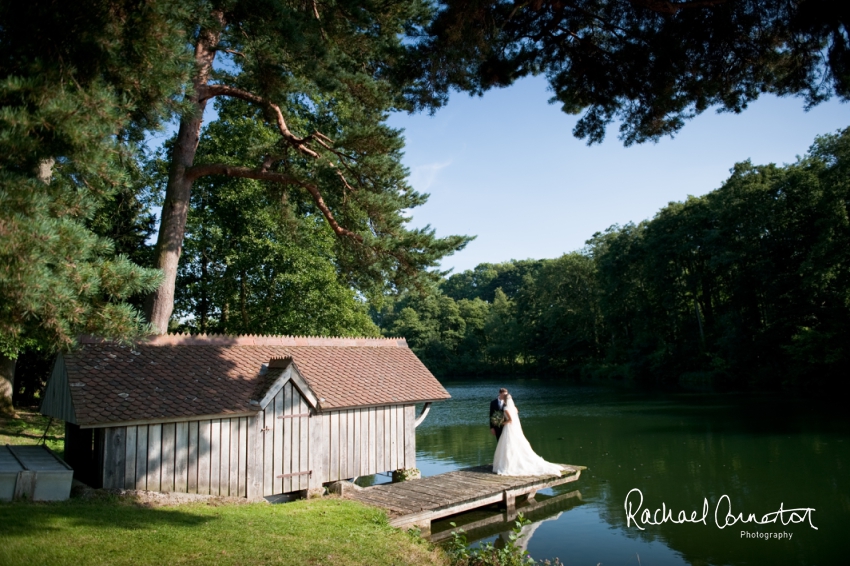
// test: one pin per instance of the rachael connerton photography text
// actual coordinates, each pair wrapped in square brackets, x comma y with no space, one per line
[647,517]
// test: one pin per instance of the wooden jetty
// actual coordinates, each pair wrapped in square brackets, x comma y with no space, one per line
[415,503]
[501,521]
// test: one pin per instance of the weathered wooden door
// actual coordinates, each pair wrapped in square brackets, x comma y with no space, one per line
[286,442]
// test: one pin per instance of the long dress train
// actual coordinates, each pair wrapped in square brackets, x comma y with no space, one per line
[514,455]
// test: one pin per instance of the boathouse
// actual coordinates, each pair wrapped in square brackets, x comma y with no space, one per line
[246,416]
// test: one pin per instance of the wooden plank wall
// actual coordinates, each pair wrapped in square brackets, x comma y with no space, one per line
[361,442]
[208,457]
[248,455]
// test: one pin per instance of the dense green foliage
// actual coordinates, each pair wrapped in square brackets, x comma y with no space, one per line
[749,284]
[76,89]
[648,64]
[258,257]
[468,324]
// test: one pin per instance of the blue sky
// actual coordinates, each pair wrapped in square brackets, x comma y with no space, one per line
[505,167]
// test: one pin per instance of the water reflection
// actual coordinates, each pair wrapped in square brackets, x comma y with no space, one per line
[677,448]
[491,522]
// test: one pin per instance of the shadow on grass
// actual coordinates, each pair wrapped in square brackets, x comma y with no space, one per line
[24,519]
[29,424]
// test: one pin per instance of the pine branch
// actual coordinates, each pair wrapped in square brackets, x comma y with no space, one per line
[198,171]
[300,144]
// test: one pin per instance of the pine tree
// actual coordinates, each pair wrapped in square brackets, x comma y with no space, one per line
[259,258]
[320,76]
[79,82]
[650,65]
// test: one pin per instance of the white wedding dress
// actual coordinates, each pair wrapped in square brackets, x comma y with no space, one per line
[514,456]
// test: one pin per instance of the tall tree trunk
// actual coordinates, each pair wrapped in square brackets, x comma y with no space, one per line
[172,225]
[7,383]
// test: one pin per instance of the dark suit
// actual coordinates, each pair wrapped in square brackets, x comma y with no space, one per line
[494,406]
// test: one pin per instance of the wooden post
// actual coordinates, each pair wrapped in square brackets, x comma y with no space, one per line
[194,444]
[342,472]
[373,443]
[141,457]
[409,436]
[204,441]
[279,429]
[326,458]
[242,462]
[266,438]
[358,437]
[224,464]
[181,457]
[169,431]
[215,457]
[153,479]
[364,443]
[393,435]
[255,455]
[304,457]
[234,457]
[316,451]
[295,446]
[130,458]
[287,426]
[379,440]
[510,505]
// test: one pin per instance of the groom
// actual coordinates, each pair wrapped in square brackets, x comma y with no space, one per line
[497,404]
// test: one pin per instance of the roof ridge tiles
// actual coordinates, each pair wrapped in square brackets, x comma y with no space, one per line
[216,339]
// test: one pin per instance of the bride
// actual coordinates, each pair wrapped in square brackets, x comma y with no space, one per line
[514,456]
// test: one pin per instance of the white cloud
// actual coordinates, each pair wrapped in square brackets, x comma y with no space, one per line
[423,176]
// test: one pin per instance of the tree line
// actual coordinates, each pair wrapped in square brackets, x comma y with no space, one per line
[748,285]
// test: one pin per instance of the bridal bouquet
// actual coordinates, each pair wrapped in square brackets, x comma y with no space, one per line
[497,419]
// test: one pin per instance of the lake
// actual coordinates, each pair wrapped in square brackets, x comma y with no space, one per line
[678,449]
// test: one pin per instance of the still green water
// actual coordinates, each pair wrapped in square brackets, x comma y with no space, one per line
[678,449]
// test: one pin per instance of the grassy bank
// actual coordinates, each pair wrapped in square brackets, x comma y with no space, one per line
[112,531]
[28,426]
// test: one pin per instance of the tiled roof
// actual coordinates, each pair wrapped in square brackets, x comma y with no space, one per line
[172,376]
[272,374]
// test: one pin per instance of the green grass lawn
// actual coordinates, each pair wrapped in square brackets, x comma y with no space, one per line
[28,428]
[111,531]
